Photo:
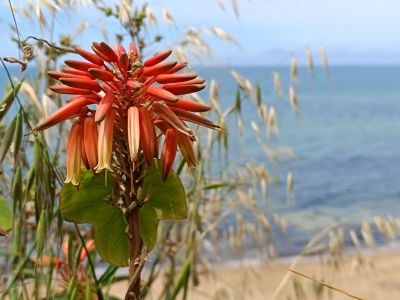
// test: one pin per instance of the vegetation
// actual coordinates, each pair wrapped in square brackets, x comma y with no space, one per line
[126,202]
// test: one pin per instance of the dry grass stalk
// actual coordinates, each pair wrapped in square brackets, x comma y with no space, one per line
[125,11]
[310,61]
[355,240]
[167,17]
[294,70]
[289,185]
[263,112]
[152,19]
[277,84]
[240,80]
[294,102]
[272,122]
[235,8]
[326,285]
[256,130]
[324,58]
[222,34]
[221,3]
[281,222]
[367,234]
[30,93]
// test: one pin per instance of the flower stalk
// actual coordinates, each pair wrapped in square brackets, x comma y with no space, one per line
[123,109]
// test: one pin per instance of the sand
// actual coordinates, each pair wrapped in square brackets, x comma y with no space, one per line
[376,277]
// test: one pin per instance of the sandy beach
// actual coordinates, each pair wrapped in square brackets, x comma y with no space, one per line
[376,277]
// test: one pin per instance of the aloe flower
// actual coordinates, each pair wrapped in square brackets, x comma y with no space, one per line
[122,107]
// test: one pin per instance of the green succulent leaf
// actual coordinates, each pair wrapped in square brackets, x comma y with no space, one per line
[88,205]
[166,201]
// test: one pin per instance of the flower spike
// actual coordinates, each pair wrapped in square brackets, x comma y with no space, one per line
[118,103]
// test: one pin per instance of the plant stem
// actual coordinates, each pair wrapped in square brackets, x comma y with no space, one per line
[136,245]
[133,184]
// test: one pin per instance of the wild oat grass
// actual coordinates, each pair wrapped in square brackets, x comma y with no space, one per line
[224,203]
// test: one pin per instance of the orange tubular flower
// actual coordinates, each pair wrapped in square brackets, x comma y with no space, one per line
[74,154]
[105,142]
[133,132]
[90,245]
[122,106]
[185,145]
[168,152]
[90,142]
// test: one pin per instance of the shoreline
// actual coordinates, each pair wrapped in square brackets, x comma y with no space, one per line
[370,276]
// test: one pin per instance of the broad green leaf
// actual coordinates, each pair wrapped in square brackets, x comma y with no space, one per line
[5,215]
[167,201]
[88,205]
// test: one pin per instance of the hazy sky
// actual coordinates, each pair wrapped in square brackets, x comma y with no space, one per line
[353,31]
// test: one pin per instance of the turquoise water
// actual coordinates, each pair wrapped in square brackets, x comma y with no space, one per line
[346,140]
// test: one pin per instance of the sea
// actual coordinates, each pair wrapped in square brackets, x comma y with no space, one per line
[345,139]
[346,144]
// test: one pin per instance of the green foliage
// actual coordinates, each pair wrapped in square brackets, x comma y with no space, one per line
[164,200]
[88,205]
[17,188]
[183,278]
[8,99]
[167,200]
[7,139]
[258,94]
[5,215]
[18,134]
[107,275]
[41,233]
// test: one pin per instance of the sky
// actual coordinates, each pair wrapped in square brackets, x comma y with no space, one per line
[360,32]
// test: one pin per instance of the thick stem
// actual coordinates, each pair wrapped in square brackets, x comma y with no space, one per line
[135,267]
[136,249]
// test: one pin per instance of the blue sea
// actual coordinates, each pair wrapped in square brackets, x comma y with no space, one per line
[346,141]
